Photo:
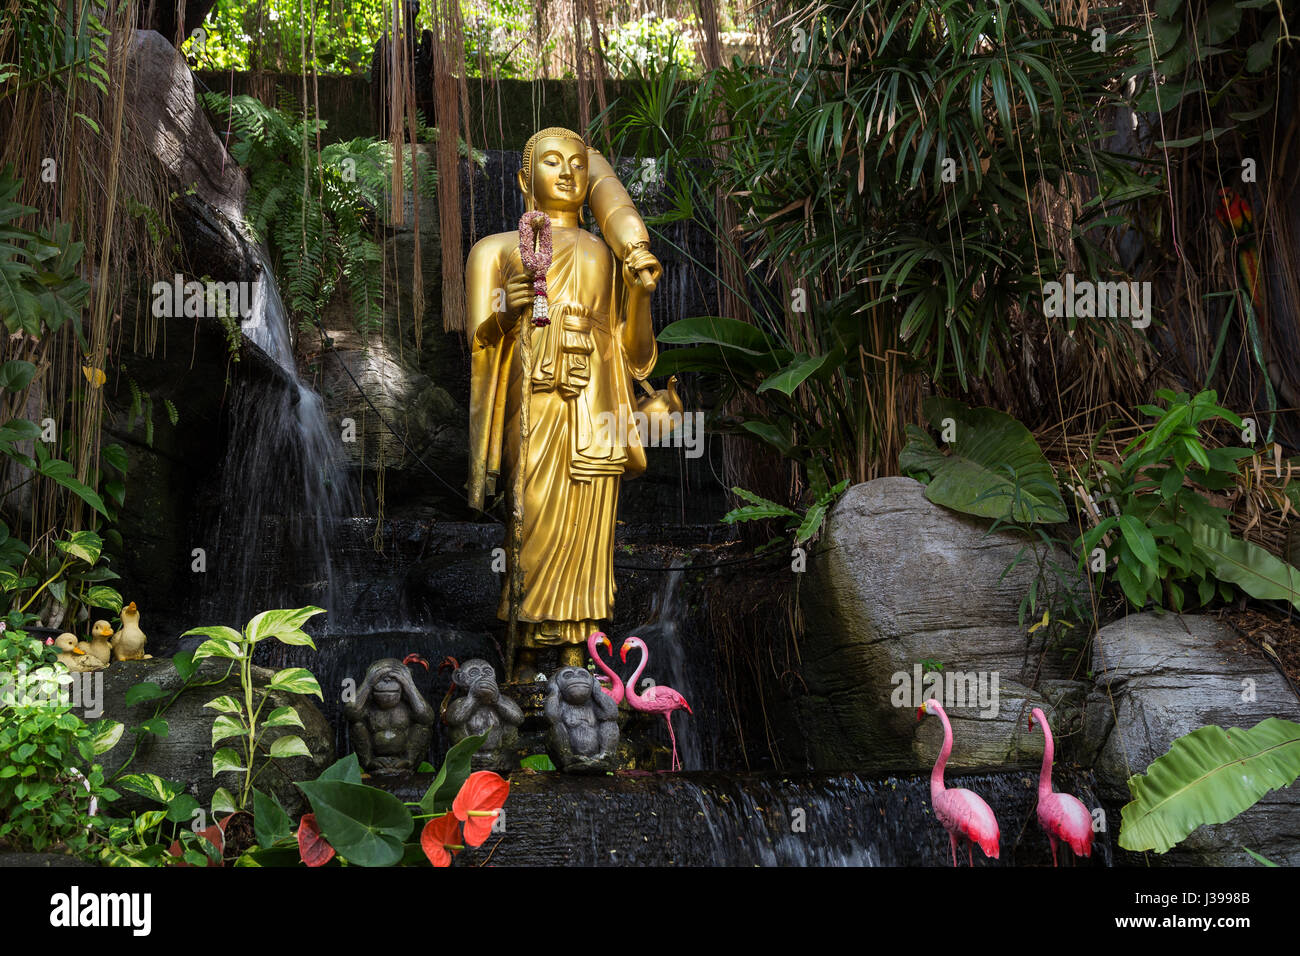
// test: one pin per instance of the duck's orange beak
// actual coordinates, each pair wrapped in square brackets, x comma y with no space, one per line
[130,607]
[77,650]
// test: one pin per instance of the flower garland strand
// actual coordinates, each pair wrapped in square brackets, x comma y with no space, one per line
[535,250]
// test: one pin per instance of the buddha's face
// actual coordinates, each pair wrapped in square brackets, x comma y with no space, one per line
[559,175]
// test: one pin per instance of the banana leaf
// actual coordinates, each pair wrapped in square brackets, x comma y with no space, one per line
[1208,776]
[1250,567]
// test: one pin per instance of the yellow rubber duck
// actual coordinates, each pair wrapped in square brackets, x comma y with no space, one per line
[100,645]
[128,642]
[73,657]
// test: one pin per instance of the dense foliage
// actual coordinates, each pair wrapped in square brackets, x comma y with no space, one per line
[317,214]
[887,179]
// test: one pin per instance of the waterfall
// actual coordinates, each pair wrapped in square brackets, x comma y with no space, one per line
[281,491]
[666,633]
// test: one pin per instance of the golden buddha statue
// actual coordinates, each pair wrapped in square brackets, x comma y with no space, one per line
[600,341]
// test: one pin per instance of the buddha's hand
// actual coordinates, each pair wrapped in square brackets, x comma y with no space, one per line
[641,270]
[519,293]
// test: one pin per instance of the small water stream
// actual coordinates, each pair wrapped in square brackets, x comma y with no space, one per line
[282,492]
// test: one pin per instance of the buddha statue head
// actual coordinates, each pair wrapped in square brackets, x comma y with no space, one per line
[554,176]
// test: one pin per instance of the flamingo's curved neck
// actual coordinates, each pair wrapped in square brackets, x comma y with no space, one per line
[632,696]
[615,682]
[1045,775]
[936,775]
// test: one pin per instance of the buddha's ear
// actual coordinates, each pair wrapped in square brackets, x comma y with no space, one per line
[523,184]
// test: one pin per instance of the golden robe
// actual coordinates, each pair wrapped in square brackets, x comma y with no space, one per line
[582,371]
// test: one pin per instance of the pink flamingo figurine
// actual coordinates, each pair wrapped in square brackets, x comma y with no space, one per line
[1062,816]
[960,811]
[658,699]
[599,639]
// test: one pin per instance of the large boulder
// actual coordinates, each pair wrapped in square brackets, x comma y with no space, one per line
[184,755]
[1159,677]
[899,586]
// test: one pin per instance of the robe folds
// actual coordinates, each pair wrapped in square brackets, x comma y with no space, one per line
[583,377]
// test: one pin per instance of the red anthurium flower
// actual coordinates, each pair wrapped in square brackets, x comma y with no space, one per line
[478,803]
[312,847]
[440,839]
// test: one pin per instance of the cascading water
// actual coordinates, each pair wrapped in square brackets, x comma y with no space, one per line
[664,635]
[282,491]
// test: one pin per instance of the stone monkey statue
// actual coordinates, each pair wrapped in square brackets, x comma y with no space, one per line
[583,721]
[390,722]
[483,710]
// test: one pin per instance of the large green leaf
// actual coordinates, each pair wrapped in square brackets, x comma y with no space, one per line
[451,777]
[16,375]
[366,825]
[270,821]
[1208,776]
[1250,567]
[996,469]
[792,376]
[285,625]
[716,330]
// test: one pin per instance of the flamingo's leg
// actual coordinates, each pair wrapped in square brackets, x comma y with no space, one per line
[952,838]
[1053,839]
[668,719]
[970,852]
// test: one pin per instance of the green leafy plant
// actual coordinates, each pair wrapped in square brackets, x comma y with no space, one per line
[803,526]
[73,577]
[1167,543]
[317,217]
[646,45]
[1208,776]
[169,836]
[1211,52]
[40,280]
[354,823]
[50,785]
[241,718]
[880,181]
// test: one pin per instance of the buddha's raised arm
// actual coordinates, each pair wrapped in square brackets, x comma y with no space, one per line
[625,232]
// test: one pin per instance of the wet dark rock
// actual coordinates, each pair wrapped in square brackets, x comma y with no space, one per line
[748,819]
[1159,677]
[184,755]
[897,581]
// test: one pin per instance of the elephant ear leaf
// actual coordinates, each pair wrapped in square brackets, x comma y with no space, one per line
[995,469]
[1208,776]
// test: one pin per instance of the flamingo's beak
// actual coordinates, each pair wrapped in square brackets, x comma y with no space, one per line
[1030,724]
[622,652]
[415,659]
[920,713]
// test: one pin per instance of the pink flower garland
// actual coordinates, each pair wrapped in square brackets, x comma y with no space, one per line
[535,230]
